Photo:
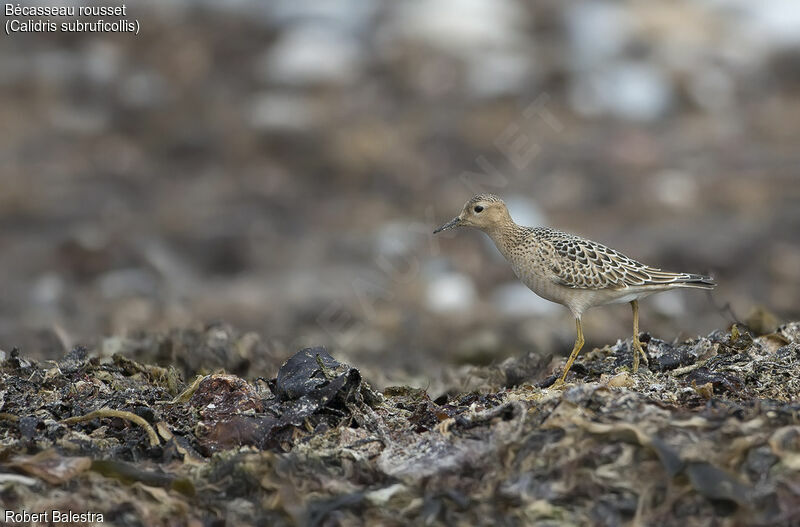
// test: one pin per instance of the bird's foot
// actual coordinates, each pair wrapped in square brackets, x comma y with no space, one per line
[559,385]
[638,351]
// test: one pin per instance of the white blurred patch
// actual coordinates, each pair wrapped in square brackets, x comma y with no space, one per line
[525,211]
[349,15]
[311,53]
[776,21]
[478,24]
[399,238]
[514,299]
[48,289]
[669,303]
[449,293]
[280,111]
[675,189]
[637,91]
[597,32]
[102,61]
[495,74]
[630,90]
[486,36]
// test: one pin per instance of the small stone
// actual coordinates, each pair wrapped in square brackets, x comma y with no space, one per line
[301,374]
[620,380]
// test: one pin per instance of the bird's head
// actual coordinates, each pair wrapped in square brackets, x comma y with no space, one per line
[484,212]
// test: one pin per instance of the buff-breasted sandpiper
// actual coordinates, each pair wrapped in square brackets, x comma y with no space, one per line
[570,270]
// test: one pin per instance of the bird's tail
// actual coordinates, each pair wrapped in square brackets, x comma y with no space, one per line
[660,279]
[696,281]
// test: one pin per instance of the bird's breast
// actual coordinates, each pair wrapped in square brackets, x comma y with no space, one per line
[538,281]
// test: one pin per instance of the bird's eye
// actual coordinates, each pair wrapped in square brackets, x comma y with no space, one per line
[478,208]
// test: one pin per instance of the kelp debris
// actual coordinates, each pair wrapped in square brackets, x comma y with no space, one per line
[708,431]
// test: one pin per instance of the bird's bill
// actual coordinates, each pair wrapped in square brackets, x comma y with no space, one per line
[449,225]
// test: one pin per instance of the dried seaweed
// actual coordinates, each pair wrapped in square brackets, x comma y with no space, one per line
[710,433]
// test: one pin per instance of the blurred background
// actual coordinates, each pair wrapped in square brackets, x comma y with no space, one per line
[280,166]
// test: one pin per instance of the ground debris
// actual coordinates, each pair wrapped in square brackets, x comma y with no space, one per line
[710,430]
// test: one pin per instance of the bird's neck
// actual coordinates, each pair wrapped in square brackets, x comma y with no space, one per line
[506,236]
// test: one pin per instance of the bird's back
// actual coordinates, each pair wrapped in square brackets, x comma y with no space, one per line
[577,263]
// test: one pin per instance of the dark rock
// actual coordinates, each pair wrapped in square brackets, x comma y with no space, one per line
[302,374]
[664,356]
[720,380]
[313,391]
[28,426]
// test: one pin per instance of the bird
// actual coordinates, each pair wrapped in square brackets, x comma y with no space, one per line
[570,270]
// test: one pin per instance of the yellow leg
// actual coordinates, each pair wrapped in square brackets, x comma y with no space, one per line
[637,346]
[575,350]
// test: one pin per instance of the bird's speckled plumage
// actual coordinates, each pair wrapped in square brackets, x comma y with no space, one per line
[580,273]
[567,269]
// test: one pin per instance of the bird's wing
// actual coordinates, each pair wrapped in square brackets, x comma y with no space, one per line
[579,263]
